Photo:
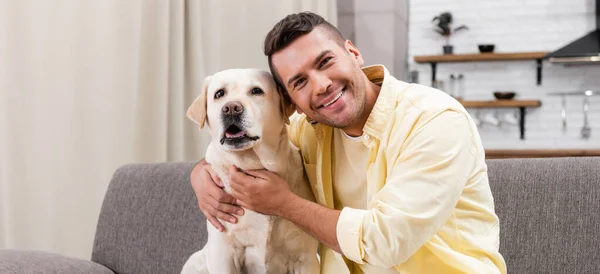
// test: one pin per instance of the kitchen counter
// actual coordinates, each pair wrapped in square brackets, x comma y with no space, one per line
[539,153]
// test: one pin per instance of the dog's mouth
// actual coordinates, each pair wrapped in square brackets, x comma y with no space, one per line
[235,135]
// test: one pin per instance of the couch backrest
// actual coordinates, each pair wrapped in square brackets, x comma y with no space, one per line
[549,212]
[149,221]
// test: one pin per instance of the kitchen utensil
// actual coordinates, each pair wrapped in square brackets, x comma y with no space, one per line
[563,112]
[510,118]
[504,95]
[586,130]
[476,117]
[460,89]
[413,76]
[439,84]
[452,86]
[491,118]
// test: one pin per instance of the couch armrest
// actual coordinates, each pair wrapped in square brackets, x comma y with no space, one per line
[149,222]
[37,262]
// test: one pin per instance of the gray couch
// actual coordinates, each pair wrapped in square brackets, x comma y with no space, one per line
[150,222]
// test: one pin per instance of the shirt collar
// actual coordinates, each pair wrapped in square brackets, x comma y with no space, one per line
[386,100]
[384,105]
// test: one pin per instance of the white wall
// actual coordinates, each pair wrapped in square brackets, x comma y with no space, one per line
[515,26]
[379,28]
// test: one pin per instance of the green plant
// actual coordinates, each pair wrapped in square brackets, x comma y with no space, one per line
[444,26]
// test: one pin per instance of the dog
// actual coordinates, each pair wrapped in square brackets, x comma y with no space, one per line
[247,118]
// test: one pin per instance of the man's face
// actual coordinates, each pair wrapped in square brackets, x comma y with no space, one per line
[323,78]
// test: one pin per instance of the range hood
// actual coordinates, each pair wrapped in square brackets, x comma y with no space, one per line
[583,50]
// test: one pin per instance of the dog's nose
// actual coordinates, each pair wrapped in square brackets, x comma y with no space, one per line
[233,108]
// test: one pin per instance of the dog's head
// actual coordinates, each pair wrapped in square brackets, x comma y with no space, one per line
[240,106]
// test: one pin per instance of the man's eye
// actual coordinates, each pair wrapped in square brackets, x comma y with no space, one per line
[219,93]
[299,82]
[257,91]
[324,62]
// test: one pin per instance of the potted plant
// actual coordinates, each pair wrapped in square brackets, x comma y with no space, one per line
[444,27]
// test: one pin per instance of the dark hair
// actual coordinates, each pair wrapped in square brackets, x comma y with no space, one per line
[288,30]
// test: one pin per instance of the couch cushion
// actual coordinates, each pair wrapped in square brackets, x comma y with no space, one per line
[39,262]
[549,213]
[150,221]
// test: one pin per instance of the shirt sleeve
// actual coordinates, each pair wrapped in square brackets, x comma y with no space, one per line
[419,196]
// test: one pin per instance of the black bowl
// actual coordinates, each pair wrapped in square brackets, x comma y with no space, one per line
[504,95]
[486,48]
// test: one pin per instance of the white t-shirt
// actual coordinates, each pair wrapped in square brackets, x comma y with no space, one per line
[349,171]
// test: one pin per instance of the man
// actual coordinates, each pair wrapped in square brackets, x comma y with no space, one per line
[398,169]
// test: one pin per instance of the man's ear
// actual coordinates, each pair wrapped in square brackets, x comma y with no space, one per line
[355,52]
[197,111]
[287,108]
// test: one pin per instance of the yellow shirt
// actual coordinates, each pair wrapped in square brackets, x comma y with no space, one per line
[430,208]
[350,185]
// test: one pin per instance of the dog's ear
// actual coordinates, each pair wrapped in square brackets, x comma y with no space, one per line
[197,111]
[286,106]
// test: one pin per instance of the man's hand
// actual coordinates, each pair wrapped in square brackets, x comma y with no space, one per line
[259,190]
[213,201]
[265,192]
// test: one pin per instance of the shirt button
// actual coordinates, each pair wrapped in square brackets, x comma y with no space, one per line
[366,137]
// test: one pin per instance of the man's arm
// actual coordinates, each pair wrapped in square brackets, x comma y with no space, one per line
[213,201]
[265,192]
[313,218]
[419,196]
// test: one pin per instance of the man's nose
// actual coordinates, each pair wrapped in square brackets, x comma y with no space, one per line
[322,83]
[233,108]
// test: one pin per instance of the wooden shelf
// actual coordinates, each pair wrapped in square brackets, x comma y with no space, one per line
[520,104]
[501,104]
[479,57]
[539,153]
[475,57]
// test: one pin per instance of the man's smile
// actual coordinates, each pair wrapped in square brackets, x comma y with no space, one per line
[334,99]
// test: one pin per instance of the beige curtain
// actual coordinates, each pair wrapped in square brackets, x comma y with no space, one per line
[87,86]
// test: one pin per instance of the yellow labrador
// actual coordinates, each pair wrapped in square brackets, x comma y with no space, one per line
[247,119]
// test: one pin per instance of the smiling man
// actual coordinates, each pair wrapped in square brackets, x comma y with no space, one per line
[398,169]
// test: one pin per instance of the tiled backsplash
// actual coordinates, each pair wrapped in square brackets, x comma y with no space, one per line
[515,26]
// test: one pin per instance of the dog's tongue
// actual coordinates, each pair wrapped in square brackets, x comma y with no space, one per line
[234,135]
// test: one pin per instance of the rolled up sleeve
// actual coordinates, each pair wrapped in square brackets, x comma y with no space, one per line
[419,195]
[348,230]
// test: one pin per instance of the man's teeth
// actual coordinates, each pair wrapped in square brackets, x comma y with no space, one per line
[334,99]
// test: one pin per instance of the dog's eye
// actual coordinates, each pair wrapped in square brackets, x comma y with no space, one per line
[219,93]
[257,91]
